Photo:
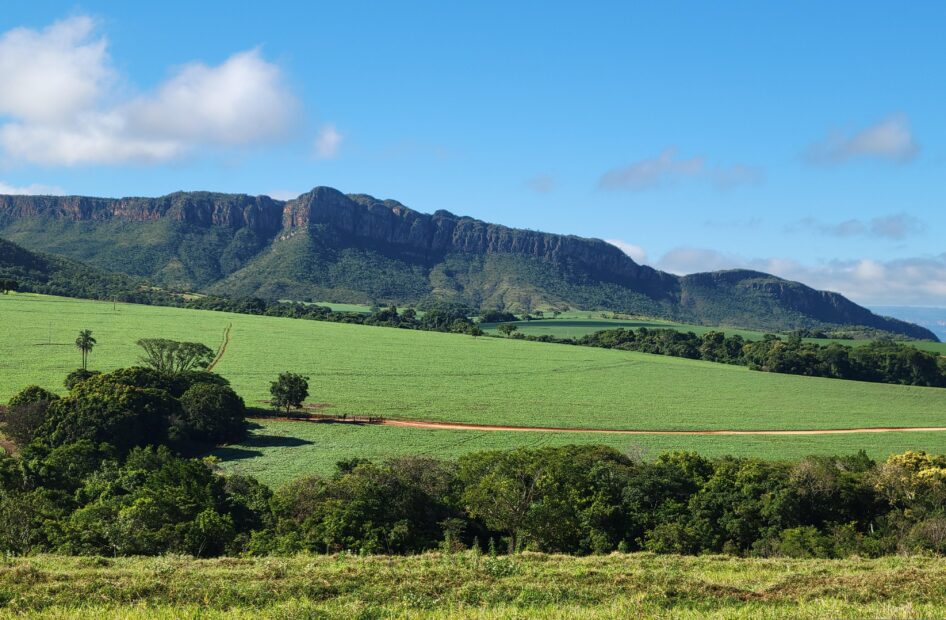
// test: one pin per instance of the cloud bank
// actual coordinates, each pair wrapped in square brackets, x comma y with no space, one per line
[906,281]
[62,107]
[669,169]
[895,227]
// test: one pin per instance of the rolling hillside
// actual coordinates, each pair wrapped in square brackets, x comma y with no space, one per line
[54,275]
[405,374]
[354,248]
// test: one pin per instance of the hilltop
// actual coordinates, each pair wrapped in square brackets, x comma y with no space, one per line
[326,245]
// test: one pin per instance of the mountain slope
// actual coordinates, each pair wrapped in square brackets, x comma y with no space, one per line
[330,246]
[54,275]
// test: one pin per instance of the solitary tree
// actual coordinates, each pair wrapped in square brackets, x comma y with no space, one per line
[507,329]
[84,343]
[8,285]
[289,390]
[171,356]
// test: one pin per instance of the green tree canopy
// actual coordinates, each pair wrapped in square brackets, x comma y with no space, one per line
[288,391]
[172,356]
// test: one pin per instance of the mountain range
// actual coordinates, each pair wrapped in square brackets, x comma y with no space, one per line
[328,246]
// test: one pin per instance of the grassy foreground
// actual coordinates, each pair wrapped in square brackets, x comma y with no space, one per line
[472,586]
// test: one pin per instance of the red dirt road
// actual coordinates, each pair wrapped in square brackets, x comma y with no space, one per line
[537,429]
[456,426]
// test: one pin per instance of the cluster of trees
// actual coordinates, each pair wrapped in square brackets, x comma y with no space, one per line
[882,361]
[128,408]
[85,497]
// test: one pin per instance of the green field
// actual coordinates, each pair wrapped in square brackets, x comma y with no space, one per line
[278,452]
[571,326]
[466,585]
[425,375]
[578,324]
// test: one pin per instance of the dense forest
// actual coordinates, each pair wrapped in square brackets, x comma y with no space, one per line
[104,471]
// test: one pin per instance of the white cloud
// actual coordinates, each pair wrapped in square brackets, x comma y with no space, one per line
[890,139]
[668,169]
[51,74]
[328,142]
[65,113]
[907,281]
[636,252]
[896,227]
[33,189]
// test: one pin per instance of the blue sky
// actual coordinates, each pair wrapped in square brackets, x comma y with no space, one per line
[805,139]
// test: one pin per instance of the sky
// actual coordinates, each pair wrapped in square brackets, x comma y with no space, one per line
[805,139]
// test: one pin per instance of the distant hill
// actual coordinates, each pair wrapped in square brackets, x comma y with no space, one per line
[933,319]
[326,245]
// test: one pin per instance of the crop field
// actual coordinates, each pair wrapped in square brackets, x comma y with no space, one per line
[393,373]
[567,326]
[468,585]
[278,452]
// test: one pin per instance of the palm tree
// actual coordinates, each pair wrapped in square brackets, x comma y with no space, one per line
[84,343]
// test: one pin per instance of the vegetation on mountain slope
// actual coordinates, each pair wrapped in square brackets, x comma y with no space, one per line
[326,245]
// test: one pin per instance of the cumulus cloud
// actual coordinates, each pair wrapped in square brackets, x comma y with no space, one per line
[62,109]
[33,189]
[636,252]
[906,281]
[542,183]
[890,139]
[896,227]
[669,169]
[52,74]
[327,142]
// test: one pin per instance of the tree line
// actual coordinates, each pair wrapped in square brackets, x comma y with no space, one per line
[881,361]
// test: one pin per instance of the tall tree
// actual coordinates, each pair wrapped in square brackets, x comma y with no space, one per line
[171,356]
[85,342]
[289,390]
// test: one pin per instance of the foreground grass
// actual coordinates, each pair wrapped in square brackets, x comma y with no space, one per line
[279,452]
[472,586]
[407,374]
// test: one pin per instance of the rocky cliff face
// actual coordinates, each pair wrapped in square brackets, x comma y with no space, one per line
[262,214]
[360,218]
